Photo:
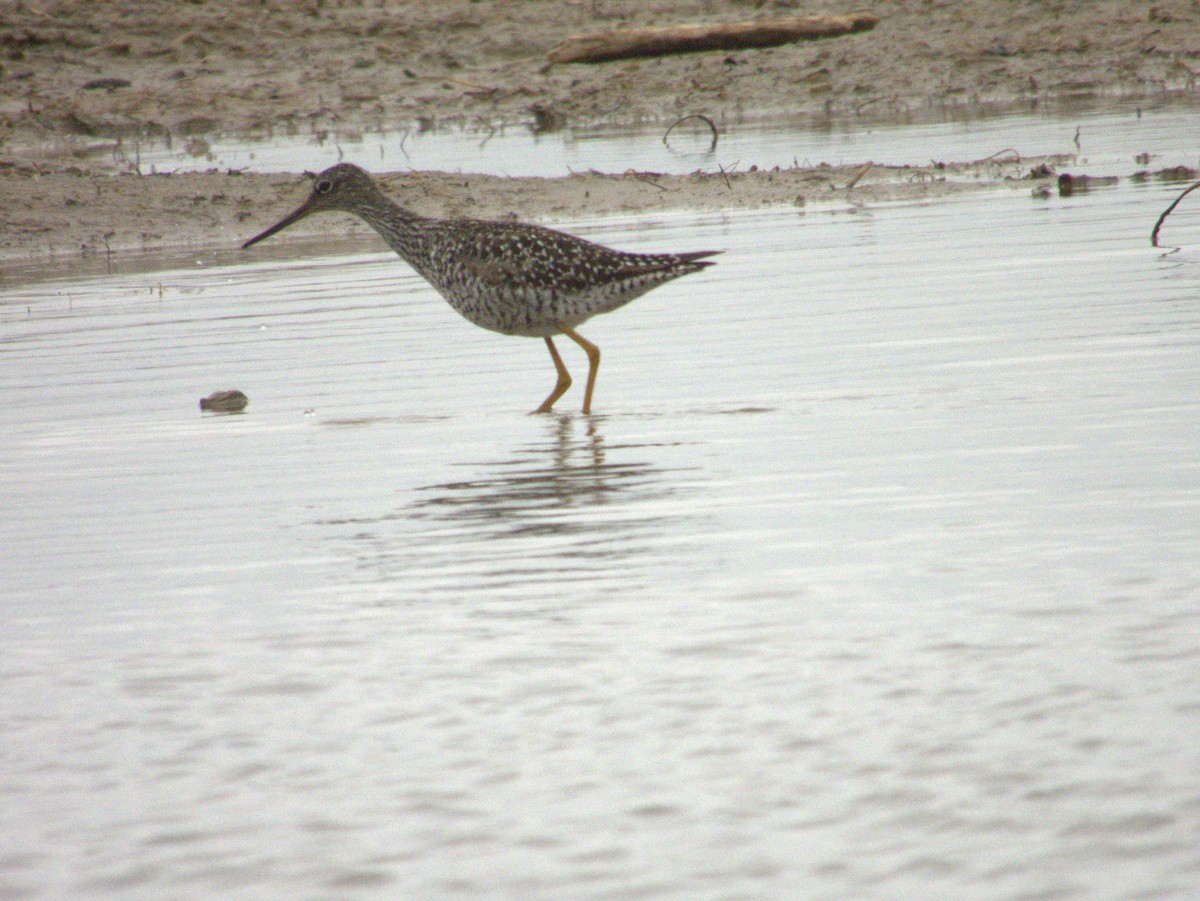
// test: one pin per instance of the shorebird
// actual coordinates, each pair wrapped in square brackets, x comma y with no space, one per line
[509,277]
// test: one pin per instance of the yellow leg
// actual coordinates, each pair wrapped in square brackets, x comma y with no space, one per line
[564,379]
[593,355]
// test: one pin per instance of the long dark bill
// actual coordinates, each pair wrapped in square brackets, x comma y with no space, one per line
[280,225]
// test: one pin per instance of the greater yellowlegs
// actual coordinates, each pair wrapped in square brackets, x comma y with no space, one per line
[510,277]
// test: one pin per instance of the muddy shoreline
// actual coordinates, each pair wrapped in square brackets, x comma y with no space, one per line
[77,76]
[221,209]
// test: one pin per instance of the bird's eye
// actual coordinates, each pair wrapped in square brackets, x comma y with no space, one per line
[323,186]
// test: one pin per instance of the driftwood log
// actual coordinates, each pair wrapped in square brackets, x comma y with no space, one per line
[625,43]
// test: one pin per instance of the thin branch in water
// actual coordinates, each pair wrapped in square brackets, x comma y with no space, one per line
[704,119]
[1167,212]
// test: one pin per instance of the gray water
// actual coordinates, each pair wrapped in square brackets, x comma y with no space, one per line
[1104,140]
[874,576]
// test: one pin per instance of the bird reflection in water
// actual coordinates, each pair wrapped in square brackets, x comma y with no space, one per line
[567,509]
[563,485]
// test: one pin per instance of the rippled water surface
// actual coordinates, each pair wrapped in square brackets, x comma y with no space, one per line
[1104,139]
[874,576]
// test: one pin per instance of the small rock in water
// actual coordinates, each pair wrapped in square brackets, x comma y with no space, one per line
[1069,184]
[225,402]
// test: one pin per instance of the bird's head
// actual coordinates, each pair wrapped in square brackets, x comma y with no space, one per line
[341,187]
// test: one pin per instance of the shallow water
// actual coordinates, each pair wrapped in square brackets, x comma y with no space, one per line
[875,574]
[1104,140]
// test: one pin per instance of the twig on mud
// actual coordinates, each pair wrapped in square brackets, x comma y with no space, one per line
[704,119]
[645,177]
[725,175]
[1167,212]
[475,86]
[862,170]
[995,159]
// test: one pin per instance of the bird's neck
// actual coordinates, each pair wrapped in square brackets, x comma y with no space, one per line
[399,226]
